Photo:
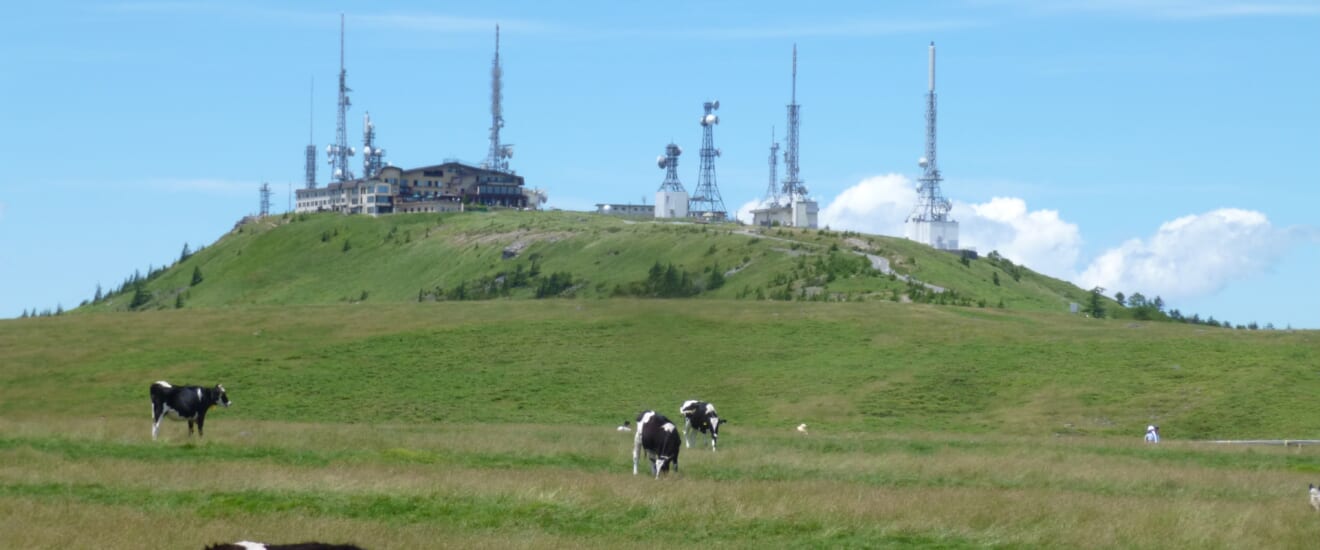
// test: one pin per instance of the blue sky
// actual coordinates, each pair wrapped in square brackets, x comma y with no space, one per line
[1168,147]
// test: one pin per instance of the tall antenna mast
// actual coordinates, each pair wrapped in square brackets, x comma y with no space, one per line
[310,153]
[793,185]
[706,197]
[498,157]
[931,204]
[340,151]
[772,191]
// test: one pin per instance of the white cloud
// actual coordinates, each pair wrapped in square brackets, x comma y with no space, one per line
[1194,255]
[744,212]
[1039,239]
[878,205]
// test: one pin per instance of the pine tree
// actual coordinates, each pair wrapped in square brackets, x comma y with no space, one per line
[197,275]
[1095,308]
[184,255]
[97,297]
[716,278]
[140,297]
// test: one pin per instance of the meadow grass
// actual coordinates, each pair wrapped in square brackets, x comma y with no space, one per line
[429,485]
[491,425]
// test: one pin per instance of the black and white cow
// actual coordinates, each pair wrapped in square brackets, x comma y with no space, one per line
[249,545]
[702,416]
[184,403]
[659,438]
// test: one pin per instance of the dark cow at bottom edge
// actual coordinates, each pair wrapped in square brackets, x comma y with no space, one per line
[247,545]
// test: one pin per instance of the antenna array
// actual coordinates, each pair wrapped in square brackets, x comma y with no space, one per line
[772,191]
[265,199]
[309,178]
[794,188]
[931,204]
[669,162]
[706,197]
[373,157]
[340,151]
[498,157]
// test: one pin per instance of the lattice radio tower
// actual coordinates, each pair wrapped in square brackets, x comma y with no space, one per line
[931,204]
[310,153]
[794,188]
[706,197]
[340,151]
[498,157]
[772,190]
[265,199]
[669,162]
[373,157]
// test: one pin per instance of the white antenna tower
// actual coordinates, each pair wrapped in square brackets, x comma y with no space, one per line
[373,157]
[793,188]
[498,158]
[310,167]
[931,204]
[340,151]
[772,191]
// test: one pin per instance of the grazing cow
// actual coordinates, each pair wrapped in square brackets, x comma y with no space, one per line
[624,427]
[659,438]
[184,403]
[702,416]
[1315,497]
[802,428]
[249,545]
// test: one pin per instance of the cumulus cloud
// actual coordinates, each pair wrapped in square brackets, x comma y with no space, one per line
[1038,239]
[878,205]
[1191,256]
[1194,255]
[744,212]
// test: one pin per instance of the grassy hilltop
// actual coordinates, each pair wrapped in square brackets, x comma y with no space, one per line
[328,258]
[484,418]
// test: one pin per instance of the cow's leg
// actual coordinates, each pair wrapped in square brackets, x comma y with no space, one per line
[687,431]
[201,417]
[157,414]
[637,444]
[190,425]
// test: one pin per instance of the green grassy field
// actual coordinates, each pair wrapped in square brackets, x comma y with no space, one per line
[491,424]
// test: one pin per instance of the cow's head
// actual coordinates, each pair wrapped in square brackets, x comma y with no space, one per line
[220,396]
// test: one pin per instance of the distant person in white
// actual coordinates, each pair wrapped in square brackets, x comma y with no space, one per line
[1152,434]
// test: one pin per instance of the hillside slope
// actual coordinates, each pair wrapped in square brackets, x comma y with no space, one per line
[328,258]
[874,366]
